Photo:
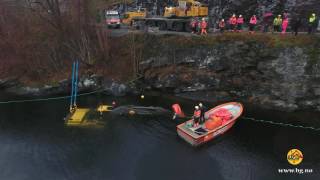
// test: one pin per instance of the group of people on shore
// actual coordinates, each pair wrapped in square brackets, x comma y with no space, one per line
[280,24]
[236,23]
[199,26]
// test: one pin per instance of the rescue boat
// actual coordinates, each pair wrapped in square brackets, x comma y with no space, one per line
[218,120]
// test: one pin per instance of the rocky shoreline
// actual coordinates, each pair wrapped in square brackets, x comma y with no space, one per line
[86,84]
[274,73]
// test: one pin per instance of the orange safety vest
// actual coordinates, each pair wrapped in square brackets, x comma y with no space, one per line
[196,113]
[233,20]
[203,24]
[222,24]
[253,20]
[240,20]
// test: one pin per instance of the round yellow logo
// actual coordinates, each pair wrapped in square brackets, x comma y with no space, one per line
[294,156]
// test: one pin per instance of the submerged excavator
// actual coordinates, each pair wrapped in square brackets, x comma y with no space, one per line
[175,18]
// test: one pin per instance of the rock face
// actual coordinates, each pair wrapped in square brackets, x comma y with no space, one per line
[86,84]
[285,77]
[115,88]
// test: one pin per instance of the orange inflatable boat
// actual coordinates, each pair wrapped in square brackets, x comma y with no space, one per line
[218,120]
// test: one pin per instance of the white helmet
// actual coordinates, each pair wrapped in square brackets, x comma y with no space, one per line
[200,104]
[196,107]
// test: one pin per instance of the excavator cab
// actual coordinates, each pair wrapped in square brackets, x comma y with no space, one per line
[128,16]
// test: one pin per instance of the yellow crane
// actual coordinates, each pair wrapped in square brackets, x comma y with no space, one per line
[176,18]
[187,8]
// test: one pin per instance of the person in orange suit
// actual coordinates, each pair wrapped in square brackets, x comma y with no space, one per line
[204,26]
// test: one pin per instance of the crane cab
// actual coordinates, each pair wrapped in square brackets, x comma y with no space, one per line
[188,8]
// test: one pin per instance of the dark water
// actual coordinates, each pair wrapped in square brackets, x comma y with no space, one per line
[35,144]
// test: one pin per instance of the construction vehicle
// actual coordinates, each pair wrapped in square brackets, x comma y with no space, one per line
[187,8]
[128,16]
[176,18]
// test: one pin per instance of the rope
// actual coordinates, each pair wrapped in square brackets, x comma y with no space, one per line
[48,99]
[282,124]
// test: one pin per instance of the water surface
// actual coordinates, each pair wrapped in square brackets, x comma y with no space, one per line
[35,144]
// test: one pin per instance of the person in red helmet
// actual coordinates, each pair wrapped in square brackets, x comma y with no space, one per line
[252,24]
[193,25]
[233,22]
[222,25]
[240,22]
[204,26]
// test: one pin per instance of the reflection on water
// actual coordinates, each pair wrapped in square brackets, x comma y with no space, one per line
[35,144]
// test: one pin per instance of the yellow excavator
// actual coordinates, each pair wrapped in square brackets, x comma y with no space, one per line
[128,16]
[176,18]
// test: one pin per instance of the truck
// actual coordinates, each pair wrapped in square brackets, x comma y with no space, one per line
[176,18]
[128,16]
[112,19]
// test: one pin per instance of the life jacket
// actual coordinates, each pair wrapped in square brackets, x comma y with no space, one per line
[285,23]
[253,20]
[277,21]
[203,24]
[312,19]
[196,113]
[222,24]
[240,20]
[233,20]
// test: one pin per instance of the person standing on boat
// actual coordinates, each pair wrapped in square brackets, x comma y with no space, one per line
[196,116]
[203,110]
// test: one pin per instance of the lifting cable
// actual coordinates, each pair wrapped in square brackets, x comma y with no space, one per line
[282,124]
